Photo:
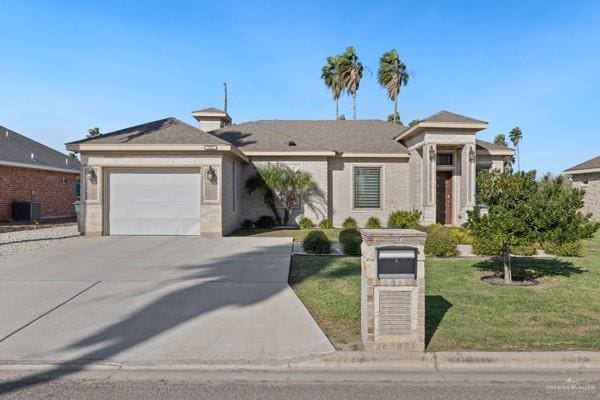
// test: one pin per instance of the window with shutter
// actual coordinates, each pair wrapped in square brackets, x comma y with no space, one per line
[367,187]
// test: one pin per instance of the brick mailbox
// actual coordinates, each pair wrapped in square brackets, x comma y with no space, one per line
[393,289]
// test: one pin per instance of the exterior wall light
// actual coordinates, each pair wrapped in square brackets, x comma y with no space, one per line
[211,174]
[431,153]
[90,174]
[471,154]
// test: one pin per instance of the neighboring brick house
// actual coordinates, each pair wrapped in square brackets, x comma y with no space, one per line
[587,176]
[30,171]
[168,177]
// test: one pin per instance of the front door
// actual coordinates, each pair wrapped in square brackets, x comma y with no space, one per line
[443,196]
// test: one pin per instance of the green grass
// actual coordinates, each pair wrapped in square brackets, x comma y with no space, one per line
[297,234]
[464,313]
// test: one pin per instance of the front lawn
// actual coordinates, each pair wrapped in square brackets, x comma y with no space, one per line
[464,313]
[298,234]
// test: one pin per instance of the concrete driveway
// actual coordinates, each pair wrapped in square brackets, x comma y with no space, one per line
[154,300]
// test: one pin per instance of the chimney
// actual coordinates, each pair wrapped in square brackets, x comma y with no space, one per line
[211,119]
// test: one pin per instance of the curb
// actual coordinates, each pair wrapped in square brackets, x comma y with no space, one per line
[587,361]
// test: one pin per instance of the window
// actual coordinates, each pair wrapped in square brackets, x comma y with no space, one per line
[367,187]
[444,159]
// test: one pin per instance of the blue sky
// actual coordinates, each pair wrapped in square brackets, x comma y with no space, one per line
[66,66]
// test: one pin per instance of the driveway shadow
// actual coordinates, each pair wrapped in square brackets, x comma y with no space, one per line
[157,317]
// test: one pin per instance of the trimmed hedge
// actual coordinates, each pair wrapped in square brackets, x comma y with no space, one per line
[265,222]
[373,223]
[326,224]
[305,223]
[351,241]
[316,243]
[404,219]
[349,223]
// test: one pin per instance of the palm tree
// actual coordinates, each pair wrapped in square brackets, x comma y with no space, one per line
[351,70]
[93,132]
[392,75]
[500,140]
[515,137]
[331,77]
[286,185]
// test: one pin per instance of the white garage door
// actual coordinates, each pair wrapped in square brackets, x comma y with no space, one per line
[154,203]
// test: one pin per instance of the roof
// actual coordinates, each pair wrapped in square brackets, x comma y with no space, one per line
[492,147]
[210,110]
[164,131]
[593,164]
[19,150]
[362,136]
[447,116]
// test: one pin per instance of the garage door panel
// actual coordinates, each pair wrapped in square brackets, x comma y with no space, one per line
[154,203]
[155,226]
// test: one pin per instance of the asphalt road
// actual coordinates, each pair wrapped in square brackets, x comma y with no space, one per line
[303,385]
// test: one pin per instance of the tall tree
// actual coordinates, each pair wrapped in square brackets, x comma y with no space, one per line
[93,132]
[500,140]
[515,136]
[351,71]
[395,118]
[331,77]
[392,75]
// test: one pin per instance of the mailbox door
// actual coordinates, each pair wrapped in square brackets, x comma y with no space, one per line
[397,262]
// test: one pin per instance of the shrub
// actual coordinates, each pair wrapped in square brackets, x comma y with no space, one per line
[317,243]
[568,249]
[485,247]
[404,219]
[305,223]
[326,224]
[350,240]
[247,224]
[352,246]
[525,250]
[441,243]
[349,234]
[265,222]
[349,223]
[462,235]
[373,223]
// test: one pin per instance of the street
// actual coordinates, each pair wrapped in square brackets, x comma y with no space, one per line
[185,384]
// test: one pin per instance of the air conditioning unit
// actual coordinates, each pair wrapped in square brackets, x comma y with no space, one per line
[27,211]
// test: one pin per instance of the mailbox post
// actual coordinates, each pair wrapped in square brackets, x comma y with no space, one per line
[393,289]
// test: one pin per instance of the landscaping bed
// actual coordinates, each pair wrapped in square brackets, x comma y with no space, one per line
[562,312]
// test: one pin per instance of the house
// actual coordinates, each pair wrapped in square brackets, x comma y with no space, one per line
[168,177]
[32,172]
[587,176]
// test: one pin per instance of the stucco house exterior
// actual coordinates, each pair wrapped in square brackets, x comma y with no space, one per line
[587,176]
[33,172]
[168,177]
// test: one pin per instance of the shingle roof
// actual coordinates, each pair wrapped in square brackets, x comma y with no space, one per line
[16,148]
[163,131]
[483,145]
[447,116]
[210,110]
[589,164]
[363,136]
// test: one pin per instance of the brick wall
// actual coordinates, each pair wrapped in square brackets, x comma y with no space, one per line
[56,196]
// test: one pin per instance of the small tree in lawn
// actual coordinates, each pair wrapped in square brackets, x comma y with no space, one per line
[288,186]
[509,219]
[522,211]
[256,182]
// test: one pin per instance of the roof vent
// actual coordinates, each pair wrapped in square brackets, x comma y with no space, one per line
[291,143]
[211,119]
